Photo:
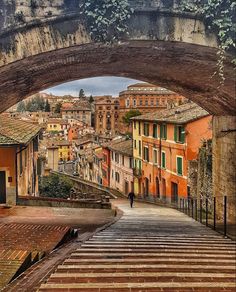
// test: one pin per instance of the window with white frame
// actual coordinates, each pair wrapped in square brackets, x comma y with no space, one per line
[146,153]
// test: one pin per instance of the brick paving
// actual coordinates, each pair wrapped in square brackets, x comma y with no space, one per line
[150,248]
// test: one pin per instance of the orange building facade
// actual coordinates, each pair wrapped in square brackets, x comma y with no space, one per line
[146,98]
[168,140]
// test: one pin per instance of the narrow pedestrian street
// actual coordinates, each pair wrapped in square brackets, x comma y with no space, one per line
[150,248]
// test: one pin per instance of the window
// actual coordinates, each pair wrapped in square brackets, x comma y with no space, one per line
[155,131]
[152,102]
[127,102]
[140,102]
[179,134]
[134,102]
[130,163]
[112,173]
[179,168]
[146,154]
[139,128]
[112,155]
[117,177]
[157,102]
[163,159]
[139,148]
[146,129]
[135,144]
[155,156]
[123,160]
[116,157]
[146,102]
[163,130]
[135,125]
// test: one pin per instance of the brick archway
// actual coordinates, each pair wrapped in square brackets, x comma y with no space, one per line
[184,68]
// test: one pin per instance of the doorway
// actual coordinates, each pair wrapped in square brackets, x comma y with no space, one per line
[3,187]
[146,187]
[174,192]
[157,188]
[163,189]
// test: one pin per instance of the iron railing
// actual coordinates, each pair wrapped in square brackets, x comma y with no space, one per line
[206,212]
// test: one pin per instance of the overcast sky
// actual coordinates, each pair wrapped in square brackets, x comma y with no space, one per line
[94,86]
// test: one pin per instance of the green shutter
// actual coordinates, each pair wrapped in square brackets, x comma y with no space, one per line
[161,131]
[165,131]
[175,134]
[182,134]
[179,166]
[163,160]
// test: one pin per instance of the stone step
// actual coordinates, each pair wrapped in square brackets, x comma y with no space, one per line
[116,286]
[163,249]
[157,245]
[90,260]
[146,266]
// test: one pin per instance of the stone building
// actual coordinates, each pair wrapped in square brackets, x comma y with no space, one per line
[78,112]
[106,115]
[18,159]
[145,98]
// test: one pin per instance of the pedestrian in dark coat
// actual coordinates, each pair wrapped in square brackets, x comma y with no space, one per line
[131,197]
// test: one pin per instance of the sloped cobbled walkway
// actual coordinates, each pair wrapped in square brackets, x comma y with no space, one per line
[150,248]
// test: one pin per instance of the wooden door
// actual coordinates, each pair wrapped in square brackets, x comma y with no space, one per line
[2,187]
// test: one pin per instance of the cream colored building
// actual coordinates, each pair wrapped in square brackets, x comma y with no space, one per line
[121,176]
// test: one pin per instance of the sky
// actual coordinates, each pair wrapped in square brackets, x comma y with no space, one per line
[93,86]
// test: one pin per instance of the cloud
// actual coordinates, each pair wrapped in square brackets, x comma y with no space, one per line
[94,86]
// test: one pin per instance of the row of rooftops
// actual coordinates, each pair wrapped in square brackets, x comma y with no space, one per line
[178,115]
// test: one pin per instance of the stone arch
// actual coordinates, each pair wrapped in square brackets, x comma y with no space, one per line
[184,68]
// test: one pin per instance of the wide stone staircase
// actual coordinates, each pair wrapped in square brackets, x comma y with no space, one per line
[149,249]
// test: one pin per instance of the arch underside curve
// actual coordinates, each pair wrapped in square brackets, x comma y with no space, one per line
[184,68]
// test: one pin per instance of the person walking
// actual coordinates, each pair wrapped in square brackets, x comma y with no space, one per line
[131,197]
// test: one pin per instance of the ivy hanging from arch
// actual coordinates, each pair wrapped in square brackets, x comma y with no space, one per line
[106,20]
[220,16]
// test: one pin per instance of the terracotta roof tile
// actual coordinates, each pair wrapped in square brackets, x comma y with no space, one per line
[123,147]
[181,114]
[13,132]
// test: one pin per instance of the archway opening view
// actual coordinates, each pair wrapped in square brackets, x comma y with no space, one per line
[72,145]
[120,133]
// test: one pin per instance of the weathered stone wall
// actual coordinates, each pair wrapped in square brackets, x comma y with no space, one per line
[224,164]
[200,175]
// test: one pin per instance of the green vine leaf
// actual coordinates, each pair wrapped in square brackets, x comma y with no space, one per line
[106,20]
[218,15]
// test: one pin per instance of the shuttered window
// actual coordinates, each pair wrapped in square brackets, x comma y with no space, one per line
[146,153]
[179,162]
[146,129]
[155,131]
[163,131]
[179,134]
[163,160]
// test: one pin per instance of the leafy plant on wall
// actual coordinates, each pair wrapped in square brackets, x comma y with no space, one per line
[219,15]
[106,20]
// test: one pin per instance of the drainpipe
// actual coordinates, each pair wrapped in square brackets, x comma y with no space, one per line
[16,170]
